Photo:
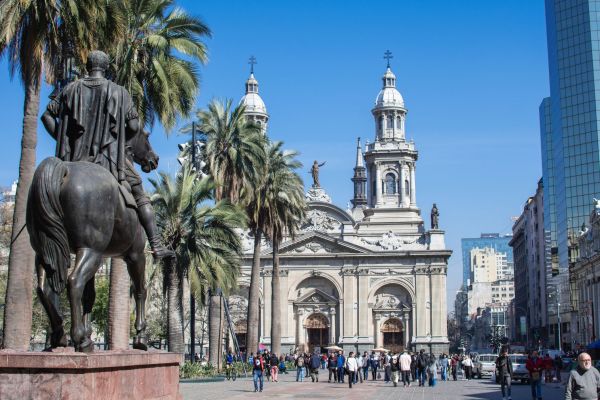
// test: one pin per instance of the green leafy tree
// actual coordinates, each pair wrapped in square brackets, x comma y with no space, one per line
[202,235]
[235,155]
[285,207]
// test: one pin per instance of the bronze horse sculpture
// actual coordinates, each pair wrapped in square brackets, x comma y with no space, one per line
[78,208]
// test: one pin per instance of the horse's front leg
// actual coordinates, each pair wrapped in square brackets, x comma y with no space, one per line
[86,264]
[136,266]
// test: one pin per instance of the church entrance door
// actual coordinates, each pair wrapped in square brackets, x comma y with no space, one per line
[240,334]
[393,335]
[317,329]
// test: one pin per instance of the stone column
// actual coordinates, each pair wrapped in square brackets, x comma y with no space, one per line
[267,302]
[378,330]
[406,330]
[413,193]
[363,305]
[377,184]
[299,333]
[283,285]
[348,307]
[402,185]
[435,305]
[332,315]
[423,313]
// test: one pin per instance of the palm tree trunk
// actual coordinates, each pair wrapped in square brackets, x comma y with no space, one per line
[215,330]
[275,303]
[118,306]
[174,307]
[19,290]
[254,298]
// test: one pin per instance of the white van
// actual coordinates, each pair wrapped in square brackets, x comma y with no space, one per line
[488,364]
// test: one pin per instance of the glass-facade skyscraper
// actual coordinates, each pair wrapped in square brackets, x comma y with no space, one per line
[487,240]
[569,122]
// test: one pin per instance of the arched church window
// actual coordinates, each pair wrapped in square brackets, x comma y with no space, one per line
[381,123]
[390,122]
[399,123]
[390,184]
[406,188]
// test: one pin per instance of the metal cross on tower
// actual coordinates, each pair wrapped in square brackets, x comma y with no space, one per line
[388,56]
[252,61]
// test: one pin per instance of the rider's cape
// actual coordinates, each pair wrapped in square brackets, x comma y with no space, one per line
[92,115]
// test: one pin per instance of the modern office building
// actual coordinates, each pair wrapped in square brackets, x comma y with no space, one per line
[570,135]
[494,241]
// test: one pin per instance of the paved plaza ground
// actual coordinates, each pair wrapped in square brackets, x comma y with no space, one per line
[288,388]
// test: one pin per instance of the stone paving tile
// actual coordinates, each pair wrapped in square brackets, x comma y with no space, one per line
[288,388]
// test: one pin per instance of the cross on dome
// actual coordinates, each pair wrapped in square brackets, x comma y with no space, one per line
[388,56]
[252,61]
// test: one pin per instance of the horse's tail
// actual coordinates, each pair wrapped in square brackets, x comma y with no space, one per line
[45,221]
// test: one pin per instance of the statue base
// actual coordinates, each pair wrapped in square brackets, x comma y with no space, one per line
[317,193]
[64,374]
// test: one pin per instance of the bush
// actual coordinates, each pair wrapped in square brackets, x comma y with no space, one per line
[196,370]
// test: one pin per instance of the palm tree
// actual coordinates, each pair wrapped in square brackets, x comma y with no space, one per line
[285,208]
[234,152]
[148,58]
[29,38]
[204,238]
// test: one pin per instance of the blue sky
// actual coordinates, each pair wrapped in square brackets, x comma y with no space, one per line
[472,74]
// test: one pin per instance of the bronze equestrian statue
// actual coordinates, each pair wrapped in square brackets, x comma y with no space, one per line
[89,201]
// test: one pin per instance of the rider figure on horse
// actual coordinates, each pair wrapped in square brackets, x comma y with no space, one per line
[91,120]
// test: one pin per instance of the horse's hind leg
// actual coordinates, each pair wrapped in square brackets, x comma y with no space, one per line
[51,303]
[86,264]
[89,297]
[136,266]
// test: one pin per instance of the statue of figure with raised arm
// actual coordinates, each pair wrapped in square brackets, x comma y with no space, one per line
[315,173]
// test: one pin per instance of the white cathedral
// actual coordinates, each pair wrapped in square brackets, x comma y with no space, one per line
[372,276]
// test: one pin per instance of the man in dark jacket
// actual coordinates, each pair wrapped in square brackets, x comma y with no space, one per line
[332,365]
[504,371]
[421,367]
[315,362]
[341,363]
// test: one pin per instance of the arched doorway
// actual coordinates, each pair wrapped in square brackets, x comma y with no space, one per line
[393,335]
[240,334]
[317,330]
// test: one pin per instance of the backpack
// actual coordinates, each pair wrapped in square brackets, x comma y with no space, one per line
[257,363]
[421,361]
[300,362]
[315,362]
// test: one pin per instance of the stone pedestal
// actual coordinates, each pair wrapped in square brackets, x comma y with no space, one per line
[123,374]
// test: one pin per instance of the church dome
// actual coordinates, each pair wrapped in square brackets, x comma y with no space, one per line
[252,100]
[389,96]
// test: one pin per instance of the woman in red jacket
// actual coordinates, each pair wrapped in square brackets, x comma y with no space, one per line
[535,366]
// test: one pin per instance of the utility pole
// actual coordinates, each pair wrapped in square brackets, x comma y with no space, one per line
[192,297]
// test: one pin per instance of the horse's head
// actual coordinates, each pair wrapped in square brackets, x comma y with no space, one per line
[142,152]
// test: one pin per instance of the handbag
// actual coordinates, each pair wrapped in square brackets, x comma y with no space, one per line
[379,375]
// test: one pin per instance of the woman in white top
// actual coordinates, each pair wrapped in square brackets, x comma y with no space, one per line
[351,367]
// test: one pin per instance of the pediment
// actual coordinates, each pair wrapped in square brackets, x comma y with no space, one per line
[316,296]
[319,243]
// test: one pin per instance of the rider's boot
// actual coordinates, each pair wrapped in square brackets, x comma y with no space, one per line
[146,215]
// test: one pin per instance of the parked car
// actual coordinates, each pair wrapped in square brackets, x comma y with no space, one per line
[488,364]
[476,370]
[520,373]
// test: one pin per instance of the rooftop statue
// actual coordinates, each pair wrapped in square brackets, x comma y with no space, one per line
[315,172]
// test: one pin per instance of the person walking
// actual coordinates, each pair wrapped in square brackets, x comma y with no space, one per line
[454,366]
[584,381]
[332,364]
[351,368]
[548,368]
[467,364]
[366,362]
[421,367]
[504,372]
[432,370]
[405,365]
[299,368]
[341,362]
[413,367]
[315,363]
[257,372]
[274,362]
[374,365]
[359,364]
[558,366]
[535,366]
[444,364]
[386,367]
[395,369]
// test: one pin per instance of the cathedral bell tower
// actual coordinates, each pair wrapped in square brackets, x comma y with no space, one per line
[255,106]
[359,179]
[390,159]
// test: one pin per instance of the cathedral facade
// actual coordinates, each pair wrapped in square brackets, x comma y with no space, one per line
[366,277]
